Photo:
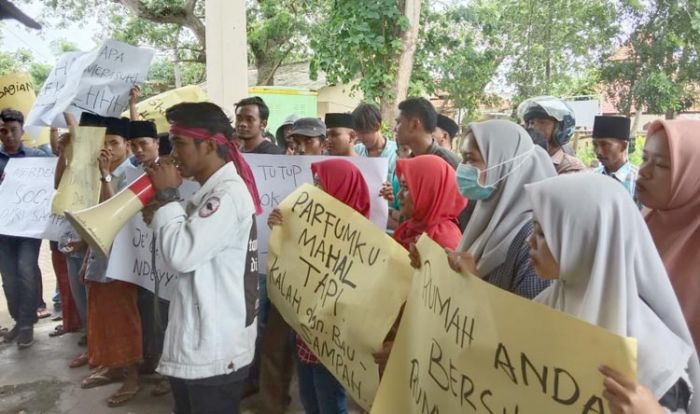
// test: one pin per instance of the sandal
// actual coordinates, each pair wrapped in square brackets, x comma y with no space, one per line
[42,313]
[58,331]
[99,378]
[79,361]
[122,396]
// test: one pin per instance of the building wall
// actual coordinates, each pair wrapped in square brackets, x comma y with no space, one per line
[337,98]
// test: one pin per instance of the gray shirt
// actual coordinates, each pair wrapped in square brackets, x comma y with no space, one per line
[97,264]
[449,156]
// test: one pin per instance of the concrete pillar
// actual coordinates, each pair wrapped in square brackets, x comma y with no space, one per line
[227,53]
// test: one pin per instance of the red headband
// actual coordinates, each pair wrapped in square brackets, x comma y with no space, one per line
[233,155]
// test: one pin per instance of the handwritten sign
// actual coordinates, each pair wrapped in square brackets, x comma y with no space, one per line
[98,81]
[25,199]
[17,92]
[467,346]
[277,176]
[154,107]
[339,281]
[80,184]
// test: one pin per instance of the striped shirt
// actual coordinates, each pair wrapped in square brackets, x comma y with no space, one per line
[517,274]
[626,175]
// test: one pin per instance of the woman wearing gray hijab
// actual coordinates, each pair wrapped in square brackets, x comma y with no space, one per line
[607,271]
[499,159]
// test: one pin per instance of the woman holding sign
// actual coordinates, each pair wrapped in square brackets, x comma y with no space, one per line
[606,271]
[499,159]
[320,392]
[430,202]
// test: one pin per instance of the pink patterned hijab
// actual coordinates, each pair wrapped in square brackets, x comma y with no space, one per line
[676,228]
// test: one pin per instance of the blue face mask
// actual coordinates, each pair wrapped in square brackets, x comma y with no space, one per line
[468,177]
[468,183]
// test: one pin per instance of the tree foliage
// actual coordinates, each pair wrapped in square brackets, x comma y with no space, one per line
[544,45]
[359,41]
[659,67]
[451,60]
[23,60]
[276,31]
[177,29]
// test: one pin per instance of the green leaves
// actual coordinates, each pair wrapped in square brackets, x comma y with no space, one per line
[661,63]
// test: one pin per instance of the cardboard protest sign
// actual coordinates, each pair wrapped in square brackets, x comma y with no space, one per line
[80,184]
[25,199]
[464,345]
[339,281]
[154,107]
[276,177]
[98,81]
[17,92]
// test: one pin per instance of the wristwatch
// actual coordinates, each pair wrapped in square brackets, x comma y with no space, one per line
[167,195]
[106,178]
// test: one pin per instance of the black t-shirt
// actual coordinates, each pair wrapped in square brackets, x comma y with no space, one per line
[266,147]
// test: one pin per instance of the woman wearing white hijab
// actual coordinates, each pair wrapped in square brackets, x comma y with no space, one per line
[590,238]
[499,159]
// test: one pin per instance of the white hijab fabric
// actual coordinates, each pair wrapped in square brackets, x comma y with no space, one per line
[611,274]
[497,220]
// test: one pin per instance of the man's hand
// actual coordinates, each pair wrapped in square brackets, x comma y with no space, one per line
[148,212]
[104,160]
[164,174]
[134,94]
[414,255]
[62,143]
[275,218]
[381,357]
[387,192]
[461,261]
[627,396]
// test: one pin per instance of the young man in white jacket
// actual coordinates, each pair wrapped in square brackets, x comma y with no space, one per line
[212,244]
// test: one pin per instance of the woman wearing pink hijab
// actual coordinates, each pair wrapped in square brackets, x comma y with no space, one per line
[668,186]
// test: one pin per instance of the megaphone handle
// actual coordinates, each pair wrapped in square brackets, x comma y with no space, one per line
[142,187]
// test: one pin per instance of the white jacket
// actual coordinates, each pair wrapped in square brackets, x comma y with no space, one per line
[212,244]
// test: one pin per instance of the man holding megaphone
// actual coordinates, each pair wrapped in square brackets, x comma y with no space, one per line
[212,244]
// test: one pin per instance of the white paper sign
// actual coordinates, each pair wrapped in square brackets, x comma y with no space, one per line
[98,81]
[25,199]
[276,177]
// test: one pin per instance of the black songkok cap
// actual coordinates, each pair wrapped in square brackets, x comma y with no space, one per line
[92,120]
[617,127]
[447,125]
[339,121]
[117,126]
[141,129]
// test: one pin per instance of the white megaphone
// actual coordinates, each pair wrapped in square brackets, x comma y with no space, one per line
[99,225]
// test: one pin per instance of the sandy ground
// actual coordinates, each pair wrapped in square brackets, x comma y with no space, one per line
[38,380]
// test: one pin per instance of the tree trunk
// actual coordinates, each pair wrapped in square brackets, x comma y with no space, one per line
[405,59]
[388,109]
[266,73]
[183,16]
[670,114]
[637,121]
